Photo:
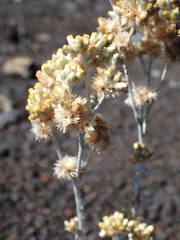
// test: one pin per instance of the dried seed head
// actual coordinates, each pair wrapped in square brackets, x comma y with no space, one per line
[108,25]
[96,134]
[42,130]
[108,82]
[66,168]
[71,113]
[121,40]
[151,46]
[141,95]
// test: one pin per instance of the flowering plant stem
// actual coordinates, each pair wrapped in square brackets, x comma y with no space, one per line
[139,121]
[163,75]
[81,233]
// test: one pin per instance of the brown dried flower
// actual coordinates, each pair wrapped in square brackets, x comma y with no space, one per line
[96,134]
[141,95]
[108,82]
[108,25]
[71,113]
[42,130]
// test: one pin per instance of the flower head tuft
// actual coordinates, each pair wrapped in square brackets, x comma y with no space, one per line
[141,95]
[109,82]
[42,130]
[71,113]
[66,168]
[96,134]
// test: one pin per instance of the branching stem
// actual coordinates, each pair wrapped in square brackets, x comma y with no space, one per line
[87,86]
[80,234]
[163,75]
[98,104]
[140,132]
[80,148]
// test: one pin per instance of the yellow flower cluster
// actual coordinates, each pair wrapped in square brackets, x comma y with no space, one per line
[52,103]
[97,48]
[118,223]
[71,225]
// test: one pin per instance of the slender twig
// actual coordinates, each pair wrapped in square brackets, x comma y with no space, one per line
[140,132]
[81,233]
[138,115]
[127,76]
[87,81]
[111,2]
[139,121]
[135,113]
[98,104]
[137,188]
[80,147]
[87,86]
[163,75]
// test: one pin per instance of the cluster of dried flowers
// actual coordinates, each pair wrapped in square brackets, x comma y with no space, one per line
[134,28]
[53,103]
[118,223]
[156,27]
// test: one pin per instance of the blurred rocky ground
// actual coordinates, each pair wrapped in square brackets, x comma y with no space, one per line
[33,205]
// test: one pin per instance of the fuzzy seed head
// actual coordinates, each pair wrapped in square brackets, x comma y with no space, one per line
[65,168]
[141,95]
[71,113]
[96,134]
[42,130]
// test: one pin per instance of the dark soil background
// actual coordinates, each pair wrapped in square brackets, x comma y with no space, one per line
[33,204]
